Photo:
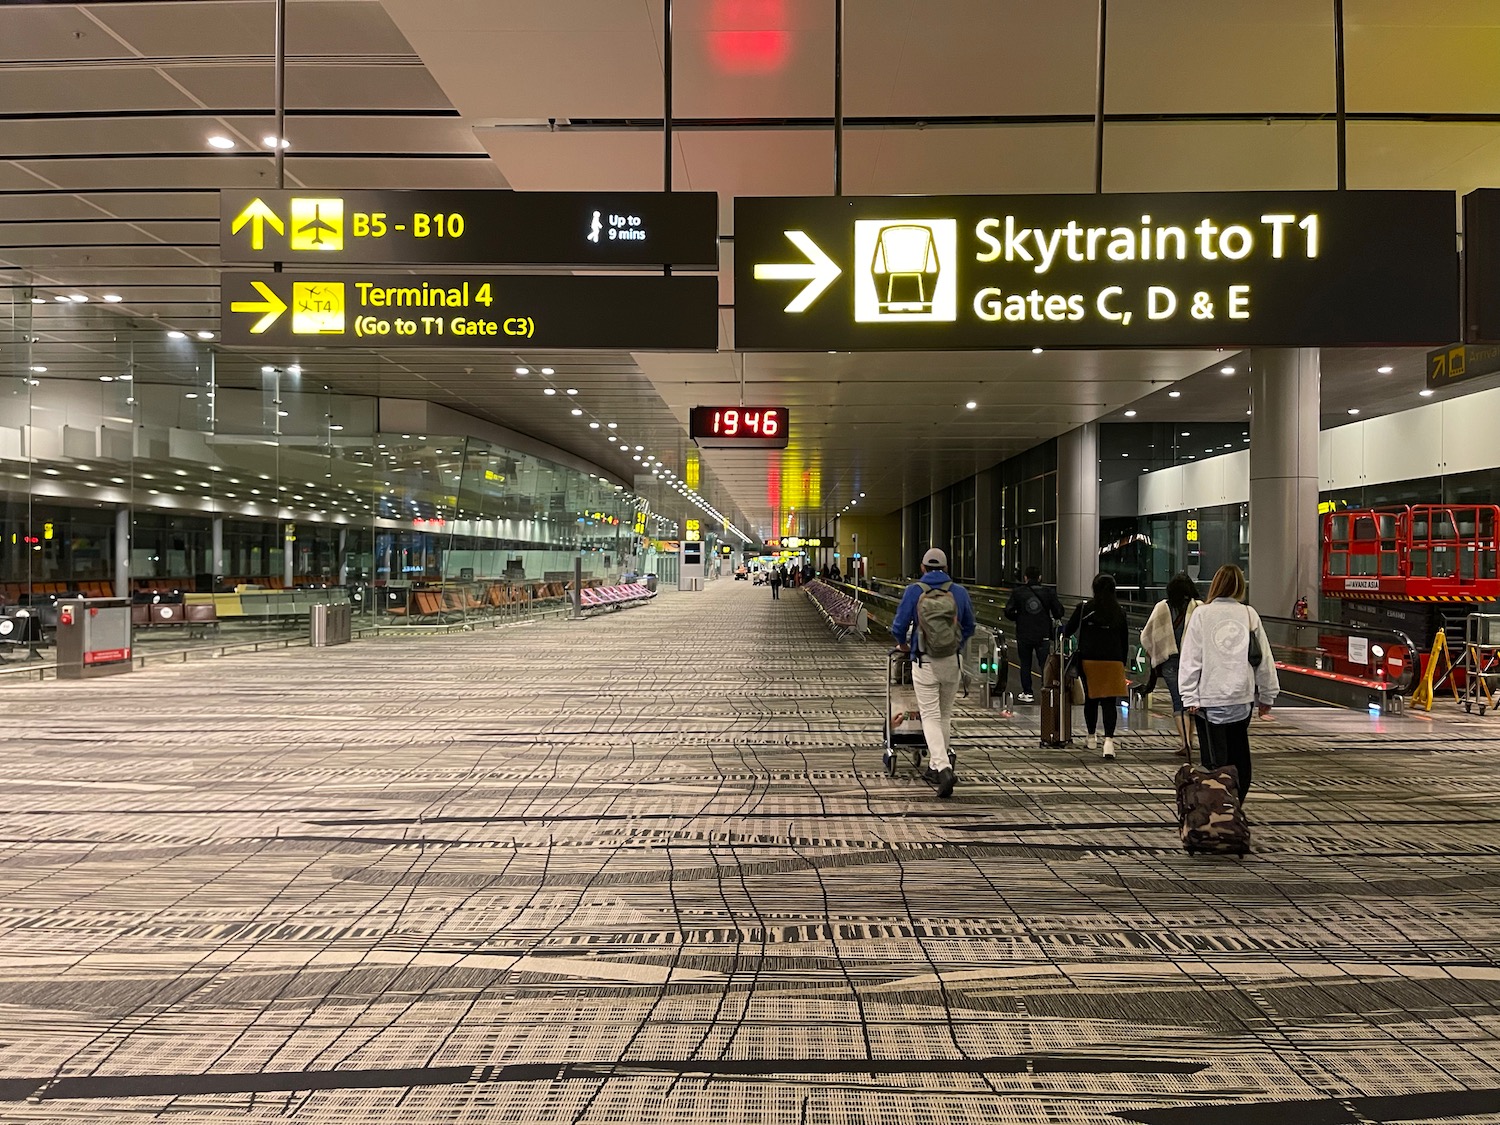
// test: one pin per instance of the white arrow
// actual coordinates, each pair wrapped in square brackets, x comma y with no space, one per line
[819,271]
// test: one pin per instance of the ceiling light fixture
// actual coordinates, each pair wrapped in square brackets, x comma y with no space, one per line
[970,405]
[222,142]
[575,412]
[1036,351]
[39,370]
[1130,413]
[1226,371]
[270,142]
[1426,392]
[205,335]
[548,391]
[113,298]
[1354,410]
[176,335]
[1386,370]
[1174,394]
[523,371]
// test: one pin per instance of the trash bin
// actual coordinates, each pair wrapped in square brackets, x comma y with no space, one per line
[93,638]
[329,625]
[317,626]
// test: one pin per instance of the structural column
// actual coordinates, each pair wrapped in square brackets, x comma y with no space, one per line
[122,552]
[912,545]
[1286,399]
[288,554]
[343,556]
[986,535]
[1078,511]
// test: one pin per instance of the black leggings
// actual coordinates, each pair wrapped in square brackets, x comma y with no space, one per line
[1226,744]
[1091,714]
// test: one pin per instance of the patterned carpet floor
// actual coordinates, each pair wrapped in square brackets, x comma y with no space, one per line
[649,867]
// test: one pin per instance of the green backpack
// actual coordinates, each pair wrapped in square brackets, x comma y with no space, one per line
[937,620]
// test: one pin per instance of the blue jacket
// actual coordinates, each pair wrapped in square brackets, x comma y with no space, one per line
[904,629]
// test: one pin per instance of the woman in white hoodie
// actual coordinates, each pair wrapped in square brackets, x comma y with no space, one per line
[1220,677]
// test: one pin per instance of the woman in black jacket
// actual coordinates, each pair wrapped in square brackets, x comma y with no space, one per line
[1103,648]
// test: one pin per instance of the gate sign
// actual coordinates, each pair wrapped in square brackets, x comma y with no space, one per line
[347,308]
[1234,269]
[460,228]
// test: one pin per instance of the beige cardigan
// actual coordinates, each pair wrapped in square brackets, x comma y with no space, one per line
[1157,638]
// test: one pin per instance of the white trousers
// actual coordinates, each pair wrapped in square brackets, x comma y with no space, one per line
[935,682]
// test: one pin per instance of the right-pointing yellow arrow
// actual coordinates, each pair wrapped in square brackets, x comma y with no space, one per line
[818,271]
[258,215]
[273,306]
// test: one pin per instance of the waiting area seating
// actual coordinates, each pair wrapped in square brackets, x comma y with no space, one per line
[603,598]
[845,616]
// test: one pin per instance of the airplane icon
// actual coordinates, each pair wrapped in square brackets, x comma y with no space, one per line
[317,224]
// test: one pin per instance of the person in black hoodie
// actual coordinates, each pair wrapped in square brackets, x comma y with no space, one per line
[1034,608]
[1103,648]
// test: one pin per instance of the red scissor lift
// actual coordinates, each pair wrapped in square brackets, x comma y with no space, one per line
[1417,568]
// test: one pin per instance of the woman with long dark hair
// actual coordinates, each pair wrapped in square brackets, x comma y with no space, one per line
[1162,641]
[1227,670]
[1103,647]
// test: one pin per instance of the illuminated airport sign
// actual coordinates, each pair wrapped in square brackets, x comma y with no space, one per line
[1482,266]
[460,228]
[506,311]
[739,427]
[1096,271]
[1447,366]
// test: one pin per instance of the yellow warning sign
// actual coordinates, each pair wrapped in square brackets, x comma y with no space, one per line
[317,224]
[318,308]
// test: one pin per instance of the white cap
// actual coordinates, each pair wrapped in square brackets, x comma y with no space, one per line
[935,559]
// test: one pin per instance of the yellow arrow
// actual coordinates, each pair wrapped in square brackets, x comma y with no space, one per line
[258,215]
[273,306]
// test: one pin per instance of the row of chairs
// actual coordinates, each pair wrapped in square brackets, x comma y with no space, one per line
[600,598]
[845,616]
[440,602]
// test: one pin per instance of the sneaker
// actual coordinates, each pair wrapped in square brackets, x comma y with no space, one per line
[1089,742]
[1109,749]
[1026,697]
[931,776]
[945,782]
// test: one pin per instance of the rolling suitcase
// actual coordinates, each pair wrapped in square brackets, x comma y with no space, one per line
[1209,817]
[1057,708]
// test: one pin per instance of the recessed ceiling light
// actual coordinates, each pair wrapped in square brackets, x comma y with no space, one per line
[1186,434]
[1354,410]
[60,297]
[1130,413]
[1226,371]
[223,142]
[1426,392]
[1036,351]
[106,378]
[523,371]
[575,412]
[113,298]
[548,391]
[39,370]
[640,449]
[611,425]
[176,335]
[970,405]
[1385,370]
[572,390]
[546,371]
[205,335]
[190,394]
[294,370]
[79,298]
[1174,394]
[270,142]
[593,425]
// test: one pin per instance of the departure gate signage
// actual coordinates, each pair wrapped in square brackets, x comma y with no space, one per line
[1096,271]
[348,308]
[459,228]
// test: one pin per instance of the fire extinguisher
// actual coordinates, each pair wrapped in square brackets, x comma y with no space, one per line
[65,615]
[1299,611]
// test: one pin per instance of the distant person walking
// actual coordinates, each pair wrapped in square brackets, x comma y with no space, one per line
[1227,669]
[1103,647]
[1035,610]
[775,578]
[1162,641]
[932,623]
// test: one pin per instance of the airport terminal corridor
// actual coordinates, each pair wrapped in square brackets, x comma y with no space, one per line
[648,866]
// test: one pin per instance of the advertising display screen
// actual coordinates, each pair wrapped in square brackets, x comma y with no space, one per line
[739,427]
[1283,269]
[459,228]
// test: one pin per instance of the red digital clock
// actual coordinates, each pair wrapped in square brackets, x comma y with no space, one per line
[740,427]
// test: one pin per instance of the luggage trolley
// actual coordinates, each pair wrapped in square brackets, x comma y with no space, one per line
[903,720]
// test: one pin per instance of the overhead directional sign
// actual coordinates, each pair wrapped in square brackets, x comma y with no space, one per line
[373,310]
[453,228]
[1447,366]
[1299,268]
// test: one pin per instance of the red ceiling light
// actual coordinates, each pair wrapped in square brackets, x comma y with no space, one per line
[749,36]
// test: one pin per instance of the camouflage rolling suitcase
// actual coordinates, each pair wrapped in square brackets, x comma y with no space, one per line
[1209,817]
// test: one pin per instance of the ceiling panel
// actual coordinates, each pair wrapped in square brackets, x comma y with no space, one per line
[1435,56]
[1428,155]
[971,159]
[245,27]
[345,85]
[39,33]
[1184,56]
[405,172]
[84,89]
[920,57]
[1219,156]
[538,160]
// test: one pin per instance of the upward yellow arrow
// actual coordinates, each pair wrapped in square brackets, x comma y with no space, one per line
[272,307]
[258,215]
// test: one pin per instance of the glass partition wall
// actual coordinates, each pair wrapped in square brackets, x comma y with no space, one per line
[139,460]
